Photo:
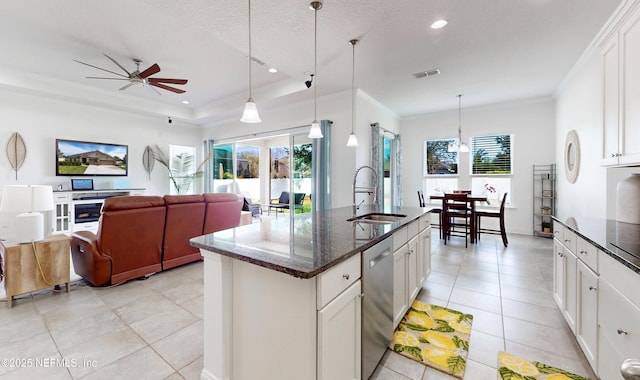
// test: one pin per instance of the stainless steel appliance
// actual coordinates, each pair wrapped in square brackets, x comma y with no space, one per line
[377,304]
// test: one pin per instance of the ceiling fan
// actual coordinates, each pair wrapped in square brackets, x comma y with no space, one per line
[141,77]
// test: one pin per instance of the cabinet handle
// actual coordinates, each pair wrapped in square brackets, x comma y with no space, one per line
[346,276]
[567,240]
[621,331]
[560,254]
[582,252]
[592,288]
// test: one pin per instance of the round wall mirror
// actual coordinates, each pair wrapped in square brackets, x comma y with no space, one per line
[572,156]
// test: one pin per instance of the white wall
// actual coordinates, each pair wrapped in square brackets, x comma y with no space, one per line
[40,120]
[335,107]
[532,124]
[579,107]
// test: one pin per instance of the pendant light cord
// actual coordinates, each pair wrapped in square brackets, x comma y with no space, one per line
[459,119]
[250,58]
[315,64]
[353,85]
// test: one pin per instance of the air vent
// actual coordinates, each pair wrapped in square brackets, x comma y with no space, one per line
[428,73]
[256,60]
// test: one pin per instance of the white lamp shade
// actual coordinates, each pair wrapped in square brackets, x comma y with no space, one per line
[315,132]
[250,113]
[353,140]
[463,148]
[452,147]
[27,198]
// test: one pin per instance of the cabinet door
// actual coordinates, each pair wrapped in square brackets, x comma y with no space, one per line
[611,103]
[587,317]
[424,255]
[570,289]
[618,319]
[558,273]
[400,284]
[413,269]
[339,336]
[630,79]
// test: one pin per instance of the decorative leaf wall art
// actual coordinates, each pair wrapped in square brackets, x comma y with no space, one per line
[148,160]
[16,152]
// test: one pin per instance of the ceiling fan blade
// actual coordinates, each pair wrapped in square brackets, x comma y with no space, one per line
[168,80]
[108,78]
[151,89]
[168,88]
[100,68]
[150,71]
[117,64]
[126,86]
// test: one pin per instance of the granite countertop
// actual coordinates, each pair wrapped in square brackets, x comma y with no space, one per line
[619,240]
[305,245]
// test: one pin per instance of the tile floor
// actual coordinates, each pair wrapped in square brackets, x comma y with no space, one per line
[153,328]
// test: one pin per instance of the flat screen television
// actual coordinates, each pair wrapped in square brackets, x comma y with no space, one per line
[84,158]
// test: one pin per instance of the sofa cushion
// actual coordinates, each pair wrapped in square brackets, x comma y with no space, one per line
[222,211]
[131,202]
[184,220]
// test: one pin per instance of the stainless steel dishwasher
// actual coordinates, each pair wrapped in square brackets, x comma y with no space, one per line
[377,304]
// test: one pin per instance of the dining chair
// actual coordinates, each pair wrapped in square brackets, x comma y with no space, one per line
[434,210]
[496,215]
[457,216]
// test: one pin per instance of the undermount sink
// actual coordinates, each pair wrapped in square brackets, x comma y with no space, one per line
[376,217]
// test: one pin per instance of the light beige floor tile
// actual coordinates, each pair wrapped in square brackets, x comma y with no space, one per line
[474,299]
[479,371]
[123,294]
[483,321]
[402,365]
[542,315]
[184,292]
[575,364]
[75,333]
[195,306]
[537,297]
[433,290]
[384,373]
[193,370]
[434,374]
[142,364]
[34,347]
[52,367]
[441,278]
[162,324]
[484,348]
[190,341]
[486,287]
[552,339]
[17,329]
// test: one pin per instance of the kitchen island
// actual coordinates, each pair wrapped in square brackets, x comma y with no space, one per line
[283,297]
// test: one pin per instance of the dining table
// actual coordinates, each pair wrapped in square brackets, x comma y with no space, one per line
[473,199]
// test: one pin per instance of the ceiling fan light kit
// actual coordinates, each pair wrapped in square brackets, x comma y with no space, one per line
[250,113]
[140,77]
[315,132]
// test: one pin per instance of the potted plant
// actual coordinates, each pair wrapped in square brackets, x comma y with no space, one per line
[546,227]
[546,210]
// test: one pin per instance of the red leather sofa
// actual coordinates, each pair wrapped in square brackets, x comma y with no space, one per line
[141,235]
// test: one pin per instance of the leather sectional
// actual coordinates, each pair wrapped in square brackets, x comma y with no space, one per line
[142,235]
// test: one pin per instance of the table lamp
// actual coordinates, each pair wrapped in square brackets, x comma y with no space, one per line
[28,200]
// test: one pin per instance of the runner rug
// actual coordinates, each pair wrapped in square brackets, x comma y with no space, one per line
[435,336]
[514,367]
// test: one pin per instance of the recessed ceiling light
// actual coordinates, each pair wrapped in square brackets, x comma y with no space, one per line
[439,24]
[273,70]
[185,102]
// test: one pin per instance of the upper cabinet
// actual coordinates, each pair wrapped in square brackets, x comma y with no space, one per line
[621,103]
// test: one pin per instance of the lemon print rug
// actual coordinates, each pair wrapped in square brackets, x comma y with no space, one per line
[435,336]
[511,367]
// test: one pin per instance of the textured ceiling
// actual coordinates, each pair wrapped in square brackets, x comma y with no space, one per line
[492,50]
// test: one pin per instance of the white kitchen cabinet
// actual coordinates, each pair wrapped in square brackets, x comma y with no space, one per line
[424,255]
[587,315]
[570,308]
[400,284]
[339,336]
[413,269]
[621,103]
[558,273]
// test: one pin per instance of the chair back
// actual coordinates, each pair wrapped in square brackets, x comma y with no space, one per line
[421,199]
[504,200]
[455,202]
[298,198]
[284,197]
[462,191]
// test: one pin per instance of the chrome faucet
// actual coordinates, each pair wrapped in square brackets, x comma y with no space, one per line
[365,190]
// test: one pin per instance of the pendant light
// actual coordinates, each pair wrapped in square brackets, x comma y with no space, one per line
[315,132]
[459,146]
[250,113]
[353,140]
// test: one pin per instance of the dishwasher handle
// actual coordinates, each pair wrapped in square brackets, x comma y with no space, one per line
[380,257]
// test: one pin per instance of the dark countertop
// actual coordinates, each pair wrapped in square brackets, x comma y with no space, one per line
[619,240]
[305,245]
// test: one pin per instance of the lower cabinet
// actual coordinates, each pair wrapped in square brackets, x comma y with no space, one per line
[400,284]
[570,308]
[339,336]
[558,273]
[587,315]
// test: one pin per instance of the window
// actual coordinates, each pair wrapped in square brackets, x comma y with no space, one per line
[183,169]
[491,154]
[437,159]
[491,167]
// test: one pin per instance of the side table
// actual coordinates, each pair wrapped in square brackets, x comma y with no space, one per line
[27,270]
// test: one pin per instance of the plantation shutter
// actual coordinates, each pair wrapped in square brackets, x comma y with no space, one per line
[491,154]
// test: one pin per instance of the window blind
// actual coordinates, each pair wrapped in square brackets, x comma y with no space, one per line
[491,154]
